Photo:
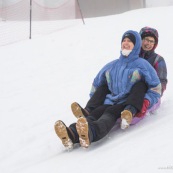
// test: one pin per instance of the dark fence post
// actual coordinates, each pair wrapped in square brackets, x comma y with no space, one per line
[80,11]
[30,27]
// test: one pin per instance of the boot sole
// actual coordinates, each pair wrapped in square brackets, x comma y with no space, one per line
[77,111]
[82,129]
[127,115]
[61,131]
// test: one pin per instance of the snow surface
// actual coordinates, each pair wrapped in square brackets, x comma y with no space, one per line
[39,80]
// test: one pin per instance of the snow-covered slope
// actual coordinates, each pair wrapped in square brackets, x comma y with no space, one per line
[41,77]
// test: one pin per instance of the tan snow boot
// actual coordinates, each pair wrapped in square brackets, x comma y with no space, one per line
[82,129]
[61,131]
[126,119]
[77,110]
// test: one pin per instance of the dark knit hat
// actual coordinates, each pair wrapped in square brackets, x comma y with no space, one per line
[130,36]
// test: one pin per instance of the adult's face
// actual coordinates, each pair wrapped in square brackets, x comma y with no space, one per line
[148,43]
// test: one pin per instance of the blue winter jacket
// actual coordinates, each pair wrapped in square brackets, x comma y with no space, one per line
[121,74]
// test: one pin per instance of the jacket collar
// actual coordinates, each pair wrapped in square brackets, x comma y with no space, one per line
[146,54]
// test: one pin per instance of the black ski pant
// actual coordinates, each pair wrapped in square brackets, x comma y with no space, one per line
[101,127]
[100,121]
[93,116]
[135,97]
[98,98]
